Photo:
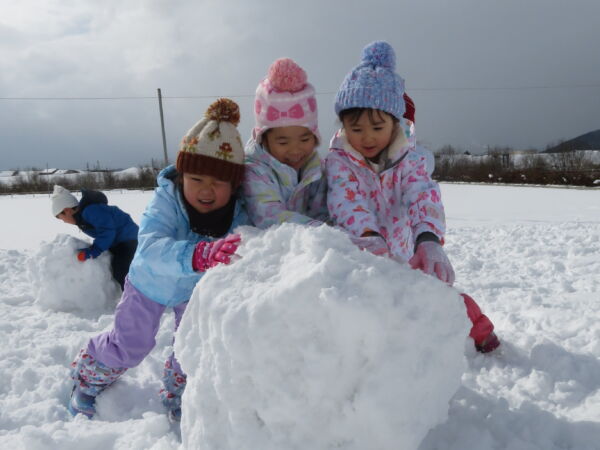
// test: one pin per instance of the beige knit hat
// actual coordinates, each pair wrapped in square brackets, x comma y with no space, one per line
[61,198]
[213,146]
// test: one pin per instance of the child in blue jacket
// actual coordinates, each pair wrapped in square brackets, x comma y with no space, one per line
[185,230]
[111,228]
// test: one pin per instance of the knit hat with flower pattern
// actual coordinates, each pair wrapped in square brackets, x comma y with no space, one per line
[373,83]
[213,146]
[285,98]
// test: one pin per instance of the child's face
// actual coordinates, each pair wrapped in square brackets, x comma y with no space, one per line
[369,135]
[291,145]
[206,193]
[67,216]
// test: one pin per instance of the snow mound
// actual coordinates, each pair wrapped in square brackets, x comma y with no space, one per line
[63,283]
[307,342]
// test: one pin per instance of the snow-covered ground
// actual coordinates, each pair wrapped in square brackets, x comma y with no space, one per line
[529,256]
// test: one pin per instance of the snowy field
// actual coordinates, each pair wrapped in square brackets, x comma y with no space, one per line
[530,257]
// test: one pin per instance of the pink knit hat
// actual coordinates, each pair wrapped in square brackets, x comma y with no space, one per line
[284,98]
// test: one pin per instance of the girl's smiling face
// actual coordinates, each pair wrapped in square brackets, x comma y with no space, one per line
[206,193]
[292,145]
[370,133]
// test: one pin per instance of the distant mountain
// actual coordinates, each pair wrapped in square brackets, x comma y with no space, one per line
[588,141]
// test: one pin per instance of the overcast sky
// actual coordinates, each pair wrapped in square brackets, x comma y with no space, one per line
[519,73]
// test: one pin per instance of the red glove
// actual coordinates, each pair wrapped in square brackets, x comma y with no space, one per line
[82,255]
[209,254]
[431,259]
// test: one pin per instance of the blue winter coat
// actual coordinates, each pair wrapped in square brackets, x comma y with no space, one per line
[162,266]
[107,224]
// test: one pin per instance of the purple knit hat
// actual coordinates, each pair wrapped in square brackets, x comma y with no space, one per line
[285,98]
[373,83]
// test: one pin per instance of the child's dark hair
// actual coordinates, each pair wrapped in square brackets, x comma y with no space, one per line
[264,141]
[353,115]
[178,180]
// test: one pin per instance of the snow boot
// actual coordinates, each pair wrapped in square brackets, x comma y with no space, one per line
[172,403]
[174,382]
[174,415]
[489,344]
[482,331]
[81,403]
[91,377]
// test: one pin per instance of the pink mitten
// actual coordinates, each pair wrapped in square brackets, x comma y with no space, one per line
[373,244]
[209,254]
[431,259]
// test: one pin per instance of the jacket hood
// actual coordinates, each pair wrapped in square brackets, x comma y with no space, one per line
[90,197]
[391,156]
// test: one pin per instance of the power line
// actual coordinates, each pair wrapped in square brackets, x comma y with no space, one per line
[142,97]
[79,98]
[510,88]
[415,89]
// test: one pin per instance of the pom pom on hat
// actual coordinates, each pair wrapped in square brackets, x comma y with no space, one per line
[285,75]
[224,110]
[213,146]
[373,83]
[379,54]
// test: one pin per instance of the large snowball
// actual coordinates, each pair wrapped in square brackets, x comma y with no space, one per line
[309,343]
[65,284]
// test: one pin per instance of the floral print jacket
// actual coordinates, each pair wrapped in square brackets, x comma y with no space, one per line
[397,199]
[275,193]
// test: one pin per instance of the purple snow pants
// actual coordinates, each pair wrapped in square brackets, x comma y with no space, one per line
[110,354]
[132,338]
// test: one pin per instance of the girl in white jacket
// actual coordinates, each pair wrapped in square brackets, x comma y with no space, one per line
[284,179]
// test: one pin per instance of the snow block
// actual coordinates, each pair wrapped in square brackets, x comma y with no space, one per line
[63,283]
[308,342]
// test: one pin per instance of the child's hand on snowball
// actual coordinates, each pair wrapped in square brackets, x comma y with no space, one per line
[83,254]
[374,244]
[431,259]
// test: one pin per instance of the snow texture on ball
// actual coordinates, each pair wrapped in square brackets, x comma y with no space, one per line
[65,284]
[307,342]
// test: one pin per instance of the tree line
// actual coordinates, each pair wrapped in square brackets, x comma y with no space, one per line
[503,165]
[498,165]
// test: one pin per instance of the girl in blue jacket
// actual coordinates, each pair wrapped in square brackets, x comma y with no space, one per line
[111,228]
[185,230]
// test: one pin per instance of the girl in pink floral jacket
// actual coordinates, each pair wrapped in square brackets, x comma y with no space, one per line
[391,198]
[379,188]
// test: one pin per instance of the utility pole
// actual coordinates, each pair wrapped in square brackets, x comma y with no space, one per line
[162,126]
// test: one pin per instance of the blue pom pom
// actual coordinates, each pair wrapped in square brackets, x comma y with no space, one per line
[379,53]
